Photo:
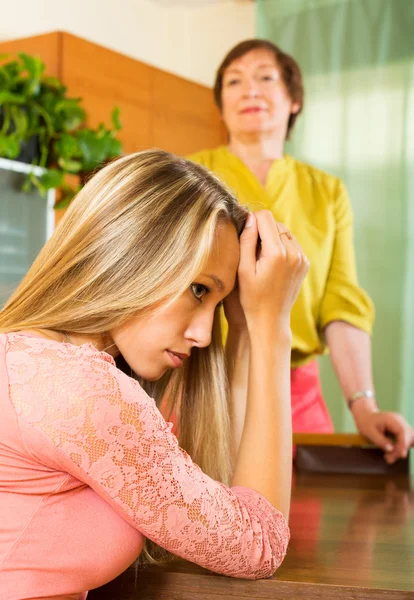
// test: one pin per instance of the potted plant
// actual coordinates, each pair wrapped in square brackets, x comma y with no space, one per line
[41,125]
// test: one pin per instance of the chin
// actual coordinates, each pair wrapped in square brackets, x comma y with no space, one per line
[152,378]
[151,375]
[257,127]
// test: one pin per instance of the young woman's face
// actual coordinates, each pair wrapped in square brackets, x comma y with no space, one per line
[254,97]
[152,345]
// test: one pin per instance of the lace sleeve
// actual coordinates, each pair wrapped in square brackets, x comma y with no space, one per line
[109,434]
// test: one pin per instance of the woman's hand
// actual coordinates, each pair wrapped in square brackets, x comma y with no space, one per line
[271,270]
[375,426]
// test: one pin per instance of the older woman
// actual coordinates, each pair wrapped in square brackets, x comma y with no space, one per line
[259,92]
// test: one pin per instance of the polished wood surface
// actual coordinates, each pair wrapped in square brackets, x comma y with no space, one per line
[331,439]
[343,453]
[352,538]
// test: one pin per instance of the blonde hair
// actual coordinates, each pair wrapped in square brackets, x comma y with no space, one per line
[136,236]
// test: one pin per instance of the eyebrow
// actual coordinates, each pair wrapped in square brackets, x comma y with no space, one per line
[216,280]
[263,66]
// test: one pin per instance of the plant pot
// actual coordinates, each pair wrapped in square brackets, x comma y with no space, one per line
[29,150]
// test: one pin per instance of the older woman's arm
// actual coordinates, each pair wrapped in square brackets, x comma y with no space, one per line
[345,321]
[350,350]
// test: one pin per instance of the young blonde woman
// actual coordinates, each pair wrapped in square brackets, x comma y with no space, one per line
[136,272]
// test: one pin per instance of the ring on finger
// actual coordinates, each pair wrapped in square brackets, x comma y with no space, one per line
[287,234]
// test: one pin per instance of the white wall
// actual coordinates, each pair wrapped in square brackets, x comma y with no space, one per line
[207,35]
[187,41]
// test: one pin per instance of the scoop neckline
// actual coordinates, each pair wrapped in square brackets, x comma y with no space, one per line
[64,342]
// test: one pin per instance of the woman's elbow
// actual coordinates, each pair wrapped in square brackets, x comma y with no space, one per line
[263,560]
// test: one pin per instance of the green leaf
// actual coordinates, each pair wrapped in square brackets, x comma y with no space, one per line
[27,185]
[53,82]
[9,146]
[72,166]
[71,113]
[53,178]
[11,71]
[20,121]
[101,130]
[116,121]
[48,121]
[67,146]
[35,104]
[7,97]
[33,65]
[114,147]
[94,150]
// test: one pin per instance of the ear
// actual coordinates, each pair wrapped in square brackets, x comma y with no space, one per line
[295,108]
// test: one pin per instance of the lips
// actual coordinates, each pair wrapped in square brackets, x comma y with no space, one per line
[177,358]
[252,109]
[182,356]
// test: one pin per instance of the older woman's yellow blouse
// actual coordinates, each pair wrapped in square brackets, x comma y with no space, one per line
[316,208]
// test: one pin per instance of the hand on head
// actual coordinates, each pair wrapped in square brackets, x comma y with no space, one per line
[271,270]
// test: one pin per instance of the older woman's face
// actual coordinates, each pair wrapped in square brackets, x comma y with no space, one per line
[254,97]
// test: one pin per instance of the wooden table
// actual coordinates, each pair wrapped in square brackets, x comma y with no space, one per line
[352,538]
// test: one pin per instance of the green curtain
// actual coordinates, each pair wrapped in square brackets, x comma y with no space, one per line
[357,58]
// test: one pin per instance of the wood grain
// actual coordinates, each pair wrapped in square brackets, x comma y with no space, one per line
[185,116]
[352,538]
[104,79]
[46,46]
[330,439]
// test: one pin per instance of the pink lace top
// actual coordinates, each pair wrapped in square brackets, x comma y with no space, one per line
[88,466]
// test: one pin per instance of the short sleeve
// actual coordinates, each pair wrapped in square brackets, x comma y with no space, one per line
[92,421]
[344,299]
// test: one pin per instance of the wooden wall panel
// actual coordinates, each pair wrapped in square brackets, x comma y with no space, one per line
[185,116]
[158,109]
[105,79]
[46,46]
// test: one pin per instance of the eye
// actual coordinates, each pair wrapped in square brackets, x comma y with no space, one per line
[268,78]
[233,82]
[199,290]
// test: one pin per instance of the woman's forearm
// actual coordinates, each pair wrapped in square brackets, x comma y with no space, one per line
[351,357]
[264,458]
[237,359]
[350,350]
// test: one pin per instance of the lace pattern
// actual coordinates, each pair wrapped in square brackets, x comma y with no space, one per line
[108,433]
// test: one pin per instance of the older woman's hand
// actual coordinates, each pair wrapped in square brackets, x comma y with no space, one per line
[376,425]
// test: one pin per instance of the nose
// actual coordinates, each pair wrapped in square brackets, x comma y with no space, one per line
[200,329]
[250,88]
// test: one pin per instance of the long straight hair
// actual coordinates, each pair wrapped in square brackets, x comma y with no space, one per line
[136,236]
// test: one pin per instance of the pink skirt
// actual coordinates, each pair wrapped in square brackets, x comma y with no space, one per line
[309,411]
